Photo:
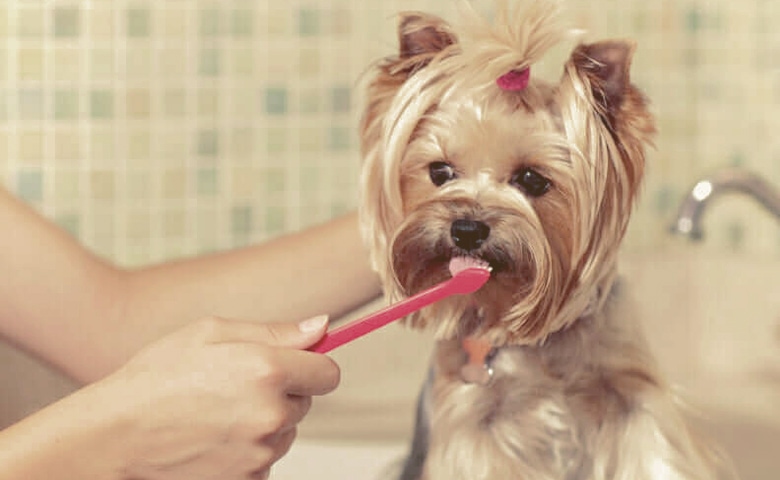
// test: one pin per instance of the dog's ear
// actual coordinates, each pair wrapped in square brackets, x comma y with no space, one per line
[606,64]
[622,106]
[421,36]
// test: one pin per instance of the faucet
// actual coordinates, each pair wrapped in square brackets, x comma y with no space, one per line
[729,180]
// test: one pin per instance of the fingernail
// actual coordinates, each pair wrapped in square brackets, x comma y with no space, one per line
[313,324]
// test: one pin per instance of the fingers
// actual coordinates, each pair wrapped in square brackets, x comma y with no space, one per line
[284,364]
[273,448]
[291,335]
[300,373]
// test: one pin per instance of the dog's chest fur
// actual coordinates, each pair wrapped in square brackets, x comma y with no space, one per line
[547,407]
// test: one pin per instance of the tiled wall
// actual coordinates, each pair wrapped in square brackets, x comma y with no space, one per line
[154,129]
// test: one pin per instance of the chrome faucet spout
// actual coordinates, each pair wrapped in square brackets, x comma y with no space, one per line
[731,180]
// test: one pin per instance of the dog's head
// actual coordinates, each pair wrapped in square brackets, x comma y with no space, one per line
[467,153]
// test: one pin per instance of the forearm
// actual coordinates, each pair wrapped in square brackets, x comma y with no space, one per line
[319,270]
[88,317]
[72,438]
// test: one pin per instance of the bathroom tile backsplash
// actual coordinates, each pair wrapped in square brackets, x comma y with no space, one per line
[155,129]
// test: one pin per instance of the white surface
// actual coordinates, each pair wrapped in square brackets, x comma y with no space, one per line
[343,461]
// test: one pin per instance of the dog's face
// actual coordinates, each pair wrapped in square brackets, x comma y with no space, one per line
[538,181]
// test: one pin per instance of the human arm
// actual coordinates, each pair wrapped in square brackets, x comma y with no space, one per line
[87,316]
[216,399]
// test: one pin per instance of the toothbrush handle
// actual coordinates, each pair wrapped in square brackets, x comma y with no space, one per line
[357,328]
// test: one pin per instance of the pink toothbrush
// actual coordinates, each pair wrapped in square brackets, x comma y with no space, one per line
[468,276]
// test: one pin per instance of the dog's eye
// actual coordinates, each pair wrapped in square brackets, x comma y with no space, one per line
[531,182]
[441,173]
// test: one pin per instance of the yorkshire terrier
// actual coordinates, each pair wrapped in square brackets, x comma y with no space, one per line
[543,373]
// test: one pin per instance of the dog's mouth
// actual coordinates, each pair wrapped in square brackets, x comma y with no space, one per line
[415,275]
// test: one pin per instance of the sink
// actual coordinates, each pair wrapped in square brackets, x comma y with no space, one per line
[713,322]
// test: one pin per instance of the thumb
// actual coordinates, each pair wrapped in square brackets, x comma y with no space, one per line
[299,335]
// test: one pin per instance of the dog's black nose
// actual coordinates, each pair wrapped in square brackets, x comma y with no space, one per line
[469,234]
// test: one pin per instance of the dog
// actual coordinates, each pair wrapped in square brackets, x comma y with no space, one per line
[543,373]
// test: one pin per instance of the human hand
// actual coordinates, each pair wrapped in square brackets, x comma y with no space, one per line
[219,399]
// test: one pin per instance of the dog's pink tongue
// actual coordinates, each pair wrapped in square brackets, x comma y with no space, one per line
[458,264]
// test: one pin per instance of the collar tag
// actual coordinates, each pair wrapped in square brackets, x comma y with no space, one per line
[477,368]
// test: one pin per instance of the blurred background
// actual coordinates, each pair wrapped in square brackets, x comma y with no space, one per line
[156,129]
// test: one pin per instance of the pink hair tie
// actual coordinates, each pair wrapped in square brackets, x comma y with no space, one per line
[515,80]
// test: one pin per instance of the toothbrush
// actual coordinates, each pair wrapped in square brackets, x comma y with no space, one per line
[468,276]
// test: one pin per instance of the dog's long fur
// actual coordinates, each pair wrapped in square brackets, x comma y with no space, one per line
[575,393]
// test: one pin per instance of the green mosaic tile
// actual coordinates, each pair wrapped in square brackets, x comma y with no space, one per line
[309,22]
[339,138]
[340,99]
[209,60]
[138,22]
[208,143]
[276,140]
[338,209]
[30,23]
[29,185]
[694,20]
[67,22]
[207,182]
[275,220]
[664,200]
[30,106]
[276,101]
[241,220]
[101,104]
[209,22]
[737,159]
[274,180]
[66,104]
[242,22]
[70,222]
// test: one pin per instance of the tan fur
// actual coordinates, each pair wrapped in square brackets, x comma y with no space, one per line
[576,394]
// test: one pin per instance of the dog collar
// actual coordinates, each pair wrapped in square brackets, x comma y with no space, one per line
[479,357]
